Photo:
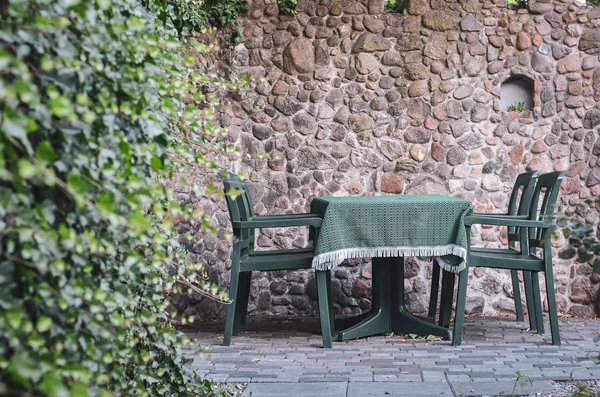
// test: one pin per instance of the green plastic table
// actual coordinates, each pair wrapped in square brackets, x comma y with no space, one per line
[388,228]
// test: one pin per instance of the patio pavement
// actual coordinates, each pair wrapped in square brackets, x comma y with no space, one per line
[284,357]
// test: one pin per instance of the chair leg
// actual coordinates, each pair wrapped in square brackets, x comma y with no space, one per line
[552,309]
[446,300]
[330,302]
[321,279]
[461,298]
[537,302]
[246,297]
[435,287]
[231,309]
[517,294]
[529,300]
[241,308]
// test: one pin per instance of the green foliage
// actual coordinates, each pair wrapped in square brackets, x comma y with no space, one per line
[221,13]
[516,107]
[594,2]
[583,391]
[287,7]
[195,15]
[394,6]
[98,101]
[516,4]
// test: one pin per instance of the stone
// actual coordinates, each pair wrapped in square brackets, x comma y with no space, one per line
[312,159]
[426,184]
[417,135]
[560,51]
[471,141]
[593,178]
[435,49]
[299,57]
[262,131]
[592,119]
[439,21]
[418,88]
[590,41]
[479,113]
[463,91]
[360,122]
[437,152]
[470,24]
[370,42]
[305,124]
[516,154]
[474,67]
[523,41]
[456,155]
[366,63]
[568,64]
[391,149]
[474,305]
[460,127]
[416,71]
[373,24]
[287,106]
[361,289]
[417,7]
[417,152]
[541,63]
[392,183]
[497,41]
[365,157]
[495,67]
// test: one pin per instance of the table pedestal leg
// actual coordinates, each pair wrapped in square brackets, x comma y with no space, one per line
[404,322]
[388,313]
[377,321]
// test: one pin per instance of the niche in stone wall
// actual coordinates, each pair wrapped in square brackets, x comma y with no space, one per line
[516,94]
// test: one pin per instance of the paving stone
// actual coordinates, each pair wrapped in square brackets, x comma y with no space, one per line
[499,387]
[333,389]
[396,389]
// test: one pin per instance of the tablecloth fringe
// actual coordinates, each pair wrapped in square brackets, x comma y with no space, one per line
[329,260]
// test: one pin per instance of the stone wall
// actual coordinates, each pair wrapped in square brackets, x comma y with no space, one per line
[349,100]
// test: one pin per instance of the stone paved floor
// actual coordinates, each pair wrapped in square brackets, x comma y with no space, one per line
[279,357]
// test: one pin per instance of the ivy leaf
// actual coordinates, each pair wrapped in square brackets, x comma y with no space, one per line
[26,169]
[139,222]
[45,152]
[77,184]
[23,369]
[52,385]
[44,323]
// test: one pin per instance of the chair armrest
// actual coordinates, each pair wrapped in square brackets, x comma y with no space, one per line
[273,221]
[509,220]
[490,214]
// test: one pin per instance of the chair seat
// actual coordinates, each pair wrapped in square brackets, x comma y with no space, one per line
[277,260]
[504,259]
[495,250]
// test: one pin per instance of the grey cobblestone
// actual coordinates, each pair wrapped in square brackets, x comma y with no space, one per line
[288,357]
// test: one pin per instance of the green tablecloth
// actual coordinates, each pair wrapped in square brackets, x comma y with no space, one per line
[385,226]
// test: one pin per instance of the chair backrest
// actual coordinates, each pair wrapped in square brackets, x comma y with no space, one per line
[519,205]
[543,206]
[240,209]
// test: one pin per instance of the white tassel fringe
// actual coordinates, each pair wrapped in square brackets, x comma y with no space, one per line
[329,260]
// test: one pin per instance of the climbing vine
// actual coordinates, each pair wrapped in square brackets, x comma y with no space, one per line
[99,101]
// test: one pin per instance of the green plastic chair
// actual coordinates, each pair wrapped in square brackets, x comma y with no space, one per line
[535,236]
[245,260]
[519,202]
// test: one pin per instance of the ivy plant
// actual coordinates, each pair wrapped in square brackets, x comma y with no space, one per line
[394,6]
[287,7]
[100,104]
